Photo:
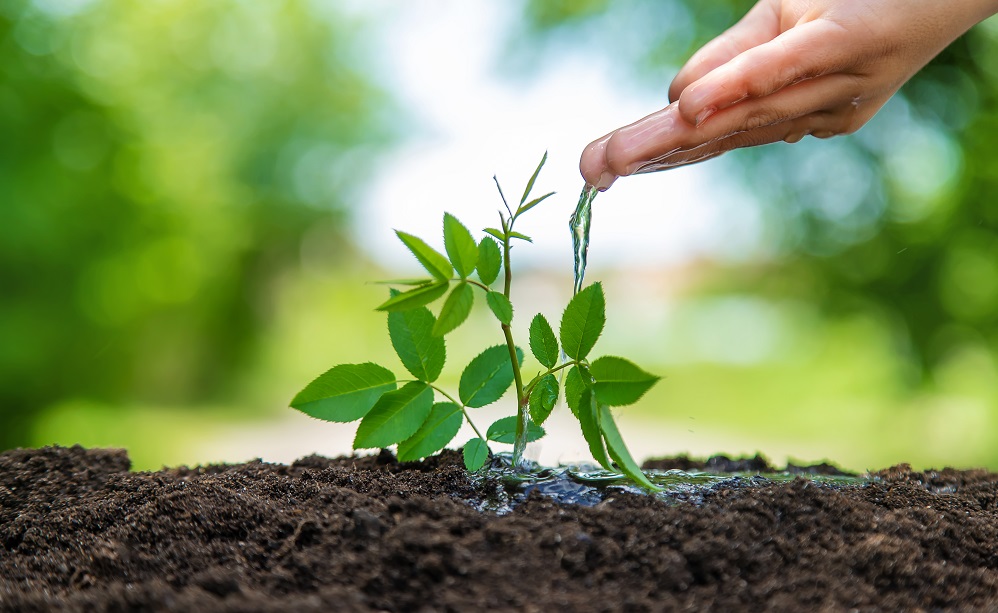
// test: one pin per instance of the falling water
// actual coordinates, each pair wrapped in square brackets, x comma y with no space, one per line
[579,224]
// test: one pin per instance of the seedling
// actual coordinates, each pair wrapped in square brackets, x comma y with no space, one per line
[421,418]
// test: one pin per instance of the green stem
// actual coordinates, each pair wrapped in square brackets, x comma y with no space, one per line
[473,282]
[520,443]
[550,371]
[509,269]
[464,410]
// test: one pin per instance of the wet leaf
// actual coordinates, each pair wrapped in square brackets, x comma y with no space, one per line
[504,431]
[543,398]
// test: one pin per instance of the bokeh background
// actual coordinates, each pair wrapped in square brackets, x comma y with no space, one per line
[195,196]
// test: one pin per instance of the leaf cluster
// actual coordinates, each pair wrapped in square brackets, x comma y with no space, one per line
[420,418]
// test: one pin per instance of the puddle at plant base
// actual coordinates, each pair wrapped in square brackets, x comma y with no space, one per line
[589,486]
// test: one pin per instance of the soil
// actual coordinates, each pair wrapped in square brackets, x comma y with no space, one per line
[78,531]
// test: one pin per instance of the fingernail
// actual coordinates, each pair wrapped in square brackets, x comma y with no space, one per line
[704,115]
[605,181]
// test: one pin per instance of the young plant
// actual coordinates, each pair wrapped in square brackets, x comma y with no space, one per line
[409,413]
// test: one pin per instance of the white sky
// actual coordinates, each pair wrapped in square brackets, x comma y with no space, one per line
[440,60]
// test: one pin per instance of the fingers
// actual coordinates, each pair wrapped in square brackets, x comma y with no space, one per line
[820,124]
[803,52]
[593,164]
[665,132]
[663,139]
[759,25]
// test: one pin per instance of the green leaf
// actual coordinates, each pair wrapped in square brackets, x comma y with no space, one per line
[533,177]
[577,381]
[500,236]
[588,415]
[455,309]
[526,207]
[439,429]
[523,237]
[618,451]
[396,416]
[504,431]
[583,321]
[460,245]
[618,381]
[543,343]
[501,307]
[431,259]
[543,398]
[476,452]
[345,393]
[487,377]
[489,260]
[405,282]
[421,353]
[414,298]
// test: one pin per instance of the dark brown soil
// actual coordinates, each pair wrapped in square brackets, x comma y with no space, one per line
[80,532]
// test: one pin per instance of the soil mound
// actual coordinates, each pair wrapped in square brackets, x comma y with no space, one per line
[78,531]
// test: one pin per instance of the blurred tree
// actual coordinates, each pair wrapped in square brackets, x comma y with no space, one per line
[159,163]
[896,220]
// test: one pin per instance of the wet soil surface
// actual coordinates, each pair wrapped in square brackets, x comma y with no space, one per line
[78,531]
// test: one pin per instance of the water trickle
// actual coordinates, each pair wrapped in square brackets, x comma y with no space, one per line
[579,224]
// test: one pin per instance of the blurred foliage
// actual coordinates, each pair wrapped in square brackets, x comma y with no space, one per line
[159,163]
[896,221]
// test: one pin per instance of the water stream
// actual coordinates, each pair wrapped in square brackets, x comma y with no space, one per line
[579,224]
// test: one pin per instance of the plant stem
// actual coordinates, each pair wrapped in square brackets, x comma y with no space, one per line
[464,410]
[550,371]
[520,442]
[508,268]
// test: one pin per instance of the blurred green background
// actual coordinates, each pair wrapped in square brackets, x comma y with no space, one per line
[180,183]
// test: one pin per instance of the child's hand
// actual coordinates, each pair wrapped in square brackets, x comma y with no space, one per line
[788,69]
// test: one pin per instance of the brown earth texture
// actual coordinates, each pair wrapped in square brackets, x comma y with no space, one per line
[79,532]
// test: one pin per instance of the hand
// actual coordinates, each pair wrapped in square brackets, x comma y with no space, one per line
[788,69]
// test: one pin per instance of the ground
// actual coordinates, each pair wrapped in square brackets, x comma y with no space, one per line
[78,531]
